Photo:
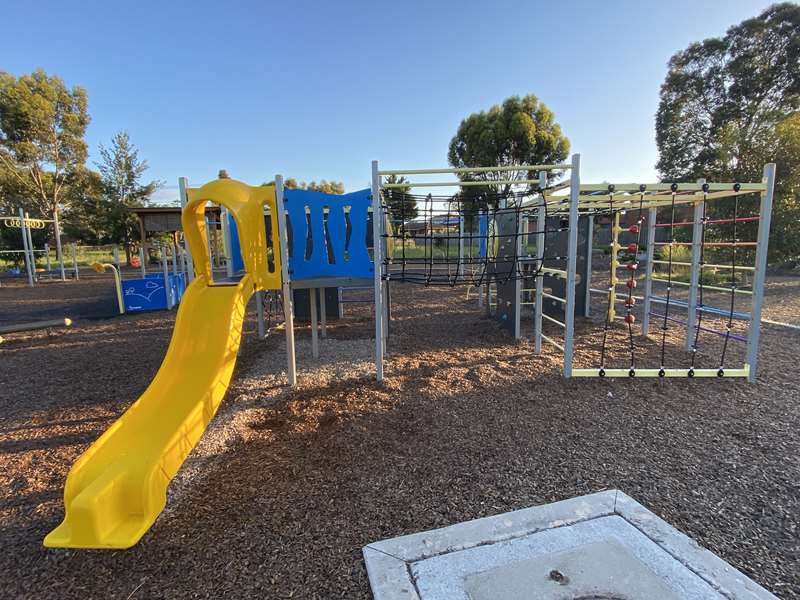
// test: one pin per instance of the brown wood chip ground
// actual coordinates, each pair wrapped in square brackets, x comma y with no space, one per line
[287,485]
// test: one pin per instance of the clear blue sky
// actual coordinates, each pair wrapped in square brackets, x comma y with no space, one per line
[318,90]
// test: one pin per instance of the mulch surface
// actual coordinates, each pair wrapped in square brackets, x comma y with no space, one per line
[288,485]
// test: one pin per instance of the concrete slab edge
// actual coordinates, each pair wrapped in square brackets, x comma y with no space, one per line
[388,562]
[498,528]
[389,577]
[724,578]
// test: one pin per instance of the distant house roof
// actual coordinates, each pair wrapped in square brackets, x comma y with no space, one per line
[159,219]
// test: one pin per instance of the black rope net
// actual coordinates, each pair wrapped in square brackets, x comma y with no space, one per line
[469,238]
[726,244]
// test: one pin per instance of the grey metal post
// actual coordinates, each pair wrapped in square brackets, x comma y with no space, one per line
[184,264]
[587,274]
[183,183]
[227,243]
[652,214]
[460,240]
[481,287]
[518,280]
[30,245]
[115,254]
[378,264]
[75,261]
[59,255]
[286,285]
[541,223]
[322,313]
[174,249]
[142,264]
[47,258]
[167,286]
[212,255]
[312,299]
[572,251]
[765,212]
[694,281]
[25,249]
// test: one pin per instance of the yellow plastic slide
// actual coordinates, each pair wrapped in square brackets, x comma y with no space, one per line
[117,488]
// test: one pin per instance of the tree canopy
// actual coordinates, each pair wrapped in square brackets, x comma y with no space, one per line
[520,131]
[42,125]
[401,208]
[728,105]
[328,187]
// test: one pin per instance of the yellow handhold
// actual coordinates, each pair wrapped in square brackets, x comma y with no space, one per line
[117,488]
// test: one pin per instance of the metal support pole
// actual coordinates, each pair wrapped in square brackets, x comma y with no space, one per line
[184,260]
[612,283]
[587,274]
[378,265]
[212,255]
[486,246]
[167,286]
[75,261]
[115,254]
[572,251]
[694,273]
[541,223]
[286,285]
[142,264]
[25,249]
[518,279]
[312,299]
[174,249]
[30,244]
[183,183]
[59,254]
[47,258]
[227,243]
[461,242]
[652,214]
[765,212]
[322,313]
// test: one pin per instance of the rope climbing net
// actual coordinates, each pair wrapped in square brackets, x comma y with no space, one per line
[463,239]
[498,229]
[695,240]
[705,245]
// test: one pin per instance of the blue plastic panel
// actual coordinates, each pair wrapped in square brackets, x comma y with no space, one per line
[149,293]
[236,248]
[348,258]
[483,233]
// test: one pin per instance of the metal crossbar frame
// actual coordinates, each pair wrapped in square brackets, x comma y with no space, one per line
[694,194]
